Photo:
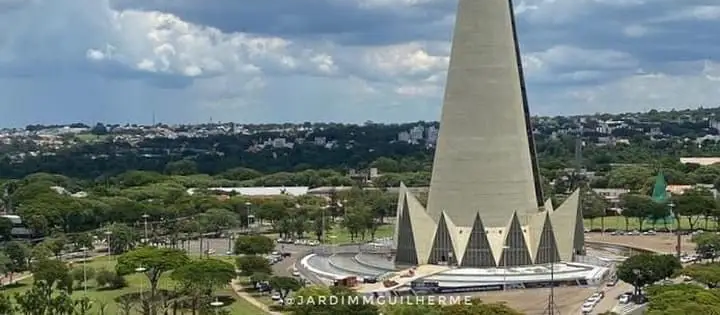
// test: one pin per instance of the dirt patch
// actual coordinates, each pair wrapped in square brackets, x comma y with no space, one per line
[663,242]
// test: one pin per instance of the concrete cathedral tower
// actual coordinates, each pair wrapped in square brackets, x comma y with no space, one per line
[486,202]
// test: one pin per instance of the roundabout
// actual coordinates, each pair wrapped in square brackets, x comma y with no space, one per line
[375,273]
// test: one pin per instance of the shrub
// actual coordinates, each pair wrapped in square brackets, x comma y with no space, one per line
[109,279]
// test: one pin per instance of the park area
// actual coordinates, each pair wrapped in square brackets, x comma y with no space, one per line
[136,283]
[612,223]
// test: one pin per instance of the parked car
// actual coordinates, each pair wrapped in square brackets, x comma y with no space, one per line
[624,299]
[587,308]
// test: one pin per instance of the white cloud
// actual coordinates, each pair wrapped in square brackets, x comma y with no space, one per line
[89,60]
[411,59]
[635,30]
[641,92]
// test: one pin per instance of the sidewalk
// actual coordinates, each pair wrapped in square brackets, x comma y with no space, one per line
[5,280]
[240,291]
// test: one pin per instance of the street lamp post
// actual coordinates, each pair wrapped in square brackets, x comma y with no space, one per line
[231,236]
[141,269]
[85,257]
[216,304]
[505,259]
[108,234]
[145,219]
[247,214]
[678,250]
[637,279]
[323,239]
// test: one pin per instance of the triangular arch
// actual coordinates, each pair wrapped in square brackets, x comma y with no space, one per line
[547,251]
[442,250]
[516,251]
[478,253]
[406,252]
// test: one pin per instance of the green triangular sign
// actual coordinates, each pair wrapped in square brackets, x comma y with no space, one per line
[659,193]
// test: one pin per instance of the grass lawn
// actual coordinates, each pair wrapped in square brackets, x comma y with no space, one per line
[618,223]
[340,235]
[265,297]
[135,283]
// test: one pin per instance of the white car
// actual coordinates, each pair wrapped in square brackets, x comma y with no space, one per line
[276,297]
[594,299]
[296,273]
[624,299]
[587,308]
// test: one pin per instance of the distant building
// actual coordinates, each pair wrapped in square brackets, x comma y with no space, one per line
[279,143]
[19,229]
[321,141]
[417,133]
[432,135]
[258,191]
[404,136]
[700,160]
[612,196]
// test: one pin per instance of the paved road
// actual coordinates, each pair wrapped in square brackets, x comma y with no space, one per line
[610,301]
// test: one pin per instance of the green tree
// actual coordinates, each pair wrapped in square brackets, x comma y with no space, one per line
[182,167]
[637,207]
[258,277]
[254,245]
[81,275]
[682,299]
[251,264]
[644,269]
[6,228]
[83,240]
[635,178]
[216,220]
[707,245]
[54,273]
[6,305]
[156,261]
[284,285]
[19,254]
[694,203]
[109,279]
[40,251]
[56,244]
[5,264]
[122,239]
[707,274]
[201,277]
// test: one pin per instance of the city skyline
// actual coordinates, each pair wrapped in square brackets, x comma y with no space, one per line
[120,61]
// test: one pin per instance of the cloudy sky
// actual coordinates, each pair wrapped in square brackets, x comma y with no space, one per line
[335,60]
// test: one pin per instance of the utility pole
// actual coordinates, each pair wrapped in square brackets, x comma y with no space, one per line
[551,308]
[145,218]
[578,163]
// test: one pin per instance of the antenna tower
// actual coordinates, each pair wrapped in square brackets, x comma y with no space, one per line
[551,308]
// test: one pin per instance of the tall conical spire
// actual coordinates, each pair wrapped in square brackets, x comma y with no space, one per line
[485,158]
